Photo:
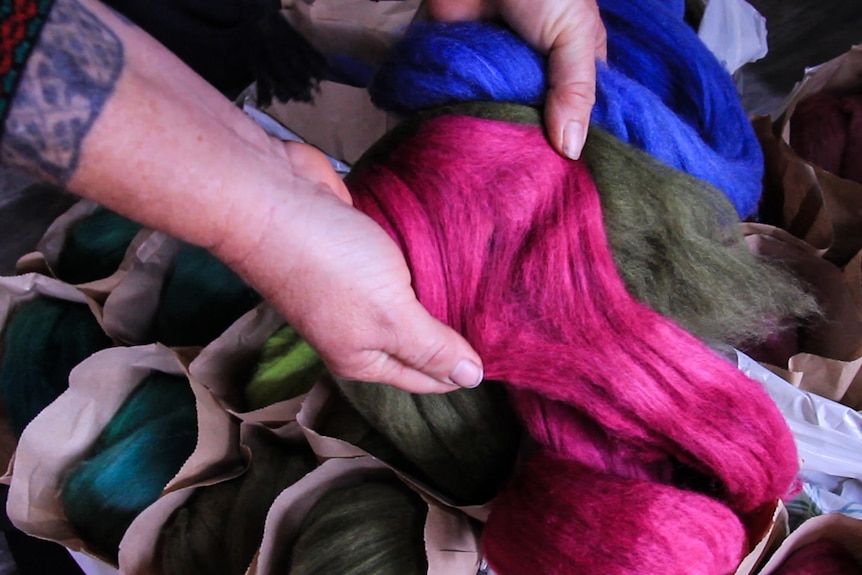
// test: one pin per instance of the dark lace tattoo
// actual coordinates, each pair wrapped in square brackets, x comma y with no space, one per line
[70,75]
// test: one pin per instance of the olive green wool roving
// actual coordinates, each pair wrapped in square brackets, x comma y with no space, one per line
[678,248]
[372,528]
[463,442]
[219,528]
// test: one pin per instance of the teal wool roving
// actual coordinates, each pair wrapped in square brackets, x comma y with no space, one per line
[287,368]
[373,528]
[95,246]
[140,450]
[200,298]
[464,442]
[44,339]
[220,527]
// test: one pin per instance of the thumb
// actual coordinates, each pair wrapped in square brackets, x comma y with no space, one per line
[427,356]
[572,82]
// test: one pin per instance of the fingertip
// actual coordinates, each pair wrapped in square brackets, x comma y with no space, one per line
[437,351]
[568,109]
[467,374]
[568,123]
[574,136]
[413,381]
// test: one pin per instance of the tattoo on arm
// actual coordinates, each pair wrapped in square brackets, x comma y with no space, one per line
[70,75]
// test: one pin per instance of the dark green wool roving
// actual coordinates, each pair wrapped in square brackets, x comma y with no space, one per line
[288,367]
[373,528]
[95,246]
[140,450]
[201,297]
[343,422]
[44,339]
[673,253]
[464,442]
[674,238]
[219,529]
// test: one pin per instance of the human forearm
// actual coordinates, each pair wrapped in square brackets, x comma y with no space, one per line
[110,114]
[107,112]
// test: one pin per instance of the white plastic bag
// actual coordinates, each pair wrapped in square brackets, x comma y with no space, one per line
[828,434]
[734,31]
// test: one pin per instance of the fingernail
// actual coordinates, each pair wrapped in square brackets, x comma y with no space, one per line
[573,140]
[466,374]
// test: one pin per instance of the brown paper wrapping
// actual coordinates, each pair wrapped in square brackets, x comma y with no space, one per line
[221,365]
[130,308]
[139,549]
[450,540]
[315,411]
[341,121]
[842,529]
[828,360]
[819,216]
[63,433]
[812,204]
[14,291]
[839,74]
[362,29]
[772,536]
[43,259]
[48,250]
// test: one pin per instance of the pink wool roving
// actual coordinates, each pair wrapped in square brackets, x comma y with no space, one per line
[650,445]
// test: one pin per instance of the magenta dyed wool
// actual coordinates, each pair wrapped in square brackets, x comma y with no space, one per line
[572,519]
[822,557]
[505,241]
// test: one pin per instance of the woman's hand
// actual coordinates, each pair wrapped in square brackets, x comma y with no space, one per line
[341,281]
[573,36]
[112,115]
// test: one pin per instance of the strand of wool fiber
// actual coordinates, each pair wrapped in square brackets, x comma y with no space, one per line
[826,130]
[372,528]
[201,297]
[287,368]
[140,450]
[662,90]
[464,443]
[675,241]
[44,339]
[95,246]
[220,527]
[821,557]
[517,260]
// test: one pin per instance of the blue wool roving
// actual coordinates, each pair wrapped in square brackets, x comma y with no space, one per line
[662,89]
